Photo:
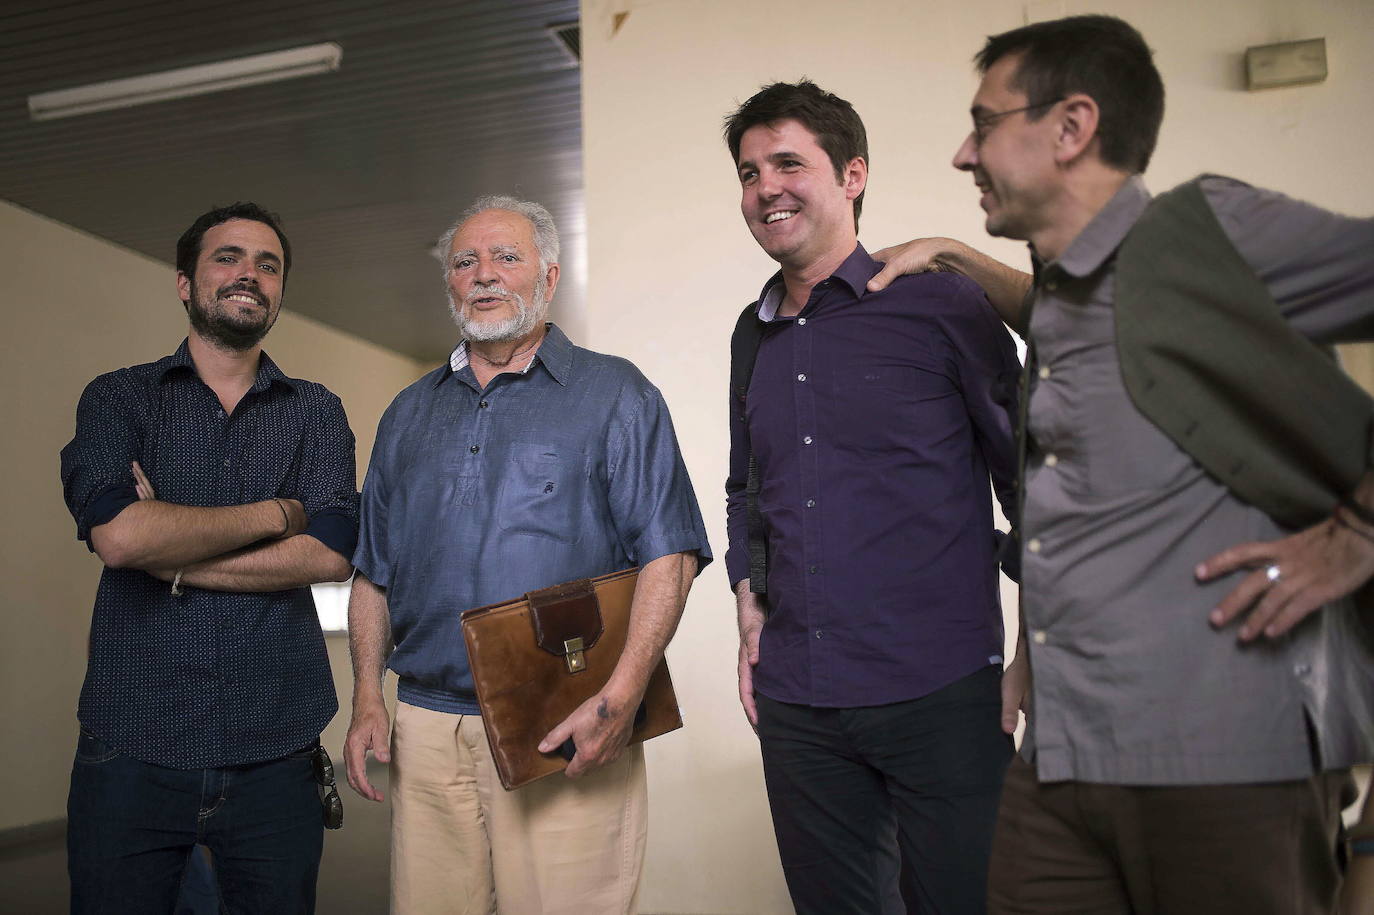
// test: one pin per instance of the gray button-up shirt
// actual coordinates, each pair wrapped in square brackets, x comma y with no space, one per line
[1131,683]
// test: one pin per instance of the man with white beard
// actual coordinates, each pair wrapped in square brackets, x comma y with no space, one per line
[523,462]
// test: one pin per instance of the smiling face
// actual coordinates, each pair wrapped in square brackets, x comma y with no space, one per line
[497,289]
[1011,156]
[796,208]
[235,296]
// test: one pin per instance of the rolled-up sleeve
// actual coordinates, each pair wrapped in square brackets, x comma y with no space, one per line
[328,480]
[652,503]
[97,479]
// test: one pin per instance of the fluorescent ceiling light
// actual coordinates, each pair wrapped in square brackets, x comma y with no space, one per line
[186,81]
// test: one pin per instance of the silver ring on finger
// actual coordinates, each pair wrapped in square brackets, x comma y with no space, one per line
[1273,573]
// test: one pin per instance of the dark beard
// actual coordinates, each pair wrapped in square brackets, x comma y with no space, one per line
[217,329]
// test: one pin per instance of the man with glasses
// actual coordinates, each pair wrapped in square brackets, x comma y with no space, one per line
[215,489]
[863,429]
[1198,502]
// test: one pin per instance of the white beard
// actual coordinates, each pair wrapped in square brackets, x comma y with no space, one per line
[527,315]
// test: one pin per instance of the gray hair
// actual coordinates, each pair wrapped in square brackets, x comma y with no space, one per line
[545,232]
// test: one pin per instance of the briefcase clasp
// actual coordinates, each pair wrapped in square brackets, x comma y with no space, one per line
[567,621]
[572,654]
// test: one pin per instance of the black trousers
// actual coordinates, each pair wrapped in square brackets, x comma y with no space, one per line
[861,794]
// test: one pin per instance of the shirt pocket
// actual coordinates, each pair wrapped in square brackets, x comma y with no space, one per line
[879,408]
[542,492]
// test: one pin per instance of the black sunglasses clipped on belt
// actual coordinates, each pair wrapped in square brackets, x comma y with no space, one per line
[331,805]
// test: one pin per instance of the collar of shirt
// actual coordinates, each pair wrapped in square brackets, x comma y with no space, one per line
[1104,233]
[858,268]
[267,375]
[555,353]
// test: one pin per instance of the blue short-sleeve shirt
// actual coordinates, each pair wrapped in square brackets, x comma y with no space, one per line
[568,470]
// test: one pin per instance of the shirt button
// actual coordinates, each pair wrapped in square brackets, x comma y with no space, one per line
[1052,285]
[474,449]
[1044,371]
[1302,670]
[484,405]
[805,441]
[1039,637]
[810,503]
[226,462]
[220,412]
[1034,545]
[813,569]
[1051,460]
[801,321]
[819,634]
[801,377]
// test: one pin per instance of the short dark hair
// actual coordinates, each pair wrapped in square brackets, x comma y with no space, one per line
[1100,56]
[834,122]
[188,246]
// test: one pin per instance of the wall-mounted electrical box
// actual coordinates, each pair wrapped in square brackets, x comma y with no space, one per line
[1290,63]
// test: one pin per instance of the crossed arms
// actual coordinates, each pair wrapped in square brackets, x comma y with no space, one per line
[256,546]
[260,546]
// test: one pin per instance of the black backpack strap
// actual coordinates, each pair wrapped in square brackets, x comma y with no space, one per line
[744,350]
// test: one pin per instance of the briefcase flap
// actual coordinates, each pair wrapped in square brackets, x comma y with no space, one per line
[525,689]
[564,616]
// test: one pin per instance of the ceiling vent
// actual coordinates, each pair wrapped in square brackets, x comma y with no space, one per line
[568,37]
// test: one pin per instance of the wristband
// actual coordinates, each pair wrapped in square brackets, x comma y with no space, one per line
[176,584]
[285,518]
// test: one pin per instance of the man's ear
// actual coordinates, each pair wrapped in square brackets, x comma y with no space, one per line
[550,282]
[855,177]
[184,287]
[1077,127]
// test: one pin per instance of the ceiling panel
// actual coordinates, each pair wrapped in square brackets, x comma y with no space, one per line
[434,104]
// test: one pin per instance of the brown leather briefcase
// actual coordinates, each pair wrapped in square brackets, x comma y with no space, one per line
[536,659]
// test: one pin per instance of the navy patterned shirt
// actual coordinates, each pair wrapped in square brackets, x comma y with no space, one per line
[210,678]
[567,470]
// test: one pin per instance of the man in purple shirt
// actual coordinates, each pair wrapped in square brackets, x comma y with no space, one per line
[863,430]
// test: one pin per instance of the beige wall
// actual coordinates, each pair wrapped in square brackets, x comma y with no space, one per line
[670,262]
[76,306]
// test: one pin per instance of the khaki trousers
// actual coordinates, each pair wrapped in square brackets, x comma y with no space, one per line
[460,843]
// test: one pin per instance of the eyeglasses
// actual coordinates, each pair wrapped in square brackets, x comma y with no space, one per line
[983,123]
[331,805]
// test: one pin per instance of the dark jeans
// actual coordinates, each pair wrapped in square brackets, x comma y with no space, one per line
[854,791]
[131,827]
[1066,847]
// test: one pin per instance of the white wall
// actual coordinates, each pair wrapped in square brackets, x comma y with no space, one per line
[670,262]
[75,306]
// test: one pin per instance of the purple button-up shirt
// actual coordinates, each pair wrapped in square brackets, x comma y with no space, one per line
[876,419]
